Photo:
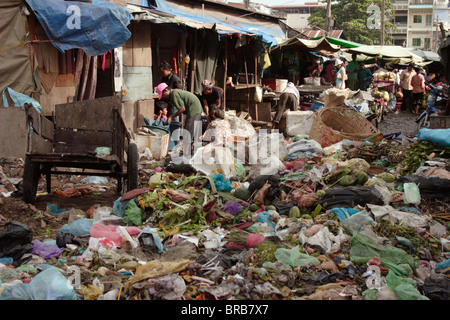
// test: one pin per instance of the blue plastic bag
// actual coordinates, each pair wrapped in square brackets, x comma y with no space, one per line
[344,213]
[440,137]
[221,183]
[78,227]
[49,284]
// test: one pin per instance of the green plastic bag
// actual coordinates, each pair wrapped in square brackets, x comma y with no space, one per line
[294,258]
[363,248]
[133,214]
[240,169]
[404,287]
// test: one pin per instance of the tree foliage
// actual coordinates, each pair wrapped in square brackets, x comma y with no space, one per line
[353,18]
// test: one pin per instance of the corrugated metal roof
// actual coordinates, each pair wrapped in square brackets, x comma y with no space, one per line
[269,30]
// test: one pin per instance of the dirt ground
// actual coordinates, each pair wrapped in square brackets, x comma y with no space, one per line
[401,122]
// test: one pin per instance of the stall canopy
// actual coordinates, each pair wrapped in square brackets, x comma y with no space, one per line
[340,42]
[223,21]
[95,27]
[426,55]
[322,46]
[382,51]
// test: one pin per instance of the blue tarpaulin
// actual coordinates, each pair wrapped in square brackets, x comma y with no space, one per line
[95,27]
[269,32]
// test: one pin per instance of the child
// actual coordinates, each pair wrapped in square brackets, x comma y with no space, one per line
[219,128]
[162,115]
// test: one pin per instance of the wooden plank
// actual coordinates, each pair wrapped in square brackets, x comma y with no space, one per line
[35,119]
[14,143]
[47,128]
[82,137]
[48,80]
[39,144]
[127,56]
[95,114]
[142,51]
[65,80]
[58,95]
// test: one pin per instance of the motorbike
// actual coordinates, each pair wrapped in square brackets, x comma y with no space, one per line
[436,95]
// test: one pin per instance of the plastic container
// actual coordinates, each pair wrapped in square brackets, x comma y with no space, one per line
[299,122]
[158,145]
[281,85]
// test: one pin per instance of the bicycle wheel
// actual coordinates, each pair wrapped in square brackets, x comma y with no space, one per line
[424,122]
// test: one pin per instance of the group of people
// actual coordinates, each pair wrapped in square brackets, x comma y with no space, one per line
[174,101]
[412,84]
[342,74]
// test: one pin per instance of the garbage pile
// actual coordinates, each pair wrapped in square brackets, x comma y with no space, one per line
[357,220]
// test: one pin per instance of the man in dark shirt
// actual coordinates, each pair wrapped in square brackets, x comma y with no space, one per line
[172,80]
[211,96]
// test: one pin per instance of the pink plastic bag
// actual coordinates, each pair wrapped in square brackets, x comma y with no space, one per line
[110,232]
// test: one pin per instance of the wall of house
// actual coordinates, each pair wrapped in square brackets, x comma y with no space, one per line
[419,30]
[137,76]
[55,74]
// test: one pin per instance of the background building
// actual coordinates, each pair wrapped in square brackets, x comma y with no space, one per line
[418,23]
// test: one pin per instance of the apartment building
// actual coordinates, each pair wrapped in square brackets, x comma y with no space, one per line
[297,15]
[417,23]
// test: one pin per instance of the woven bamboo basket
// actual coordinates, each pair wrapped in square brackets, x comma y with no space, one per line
[334,124]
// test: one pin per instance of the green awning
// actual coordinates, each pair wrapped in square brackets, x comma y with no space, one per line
[341,42]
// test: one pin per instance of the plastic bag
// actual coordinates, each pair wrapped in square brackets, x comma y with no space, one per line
[100,213]
[79,227]
[44,250]
[363,248]
[119,207]
[110,232]
[358,222]
[430,187]
[324,239]
[343,213]
[440,137]
[49,284]
[221,183]
[404,287]
[95,180]
[294,258]
[436,287]
[412,193]
[15,240]
[133,214]
[351,196]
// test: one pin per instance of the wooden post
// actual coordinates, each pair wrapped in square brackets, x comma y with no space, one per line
[382,22]
[225,75]
[194,61]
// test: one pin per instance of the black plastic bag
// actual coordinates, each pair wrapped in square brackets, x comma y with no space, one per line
[437,287]
[430,187]
[349,197]
[259,182]
[63,239]
[282,208]
[15,240]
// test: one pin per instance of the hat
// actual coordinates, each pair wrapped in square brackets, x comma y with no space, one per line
[160,88]
[207,84]
[337,62]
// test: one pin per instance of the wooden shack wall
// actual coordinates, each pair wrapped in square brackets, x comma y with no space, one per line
[137,75]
